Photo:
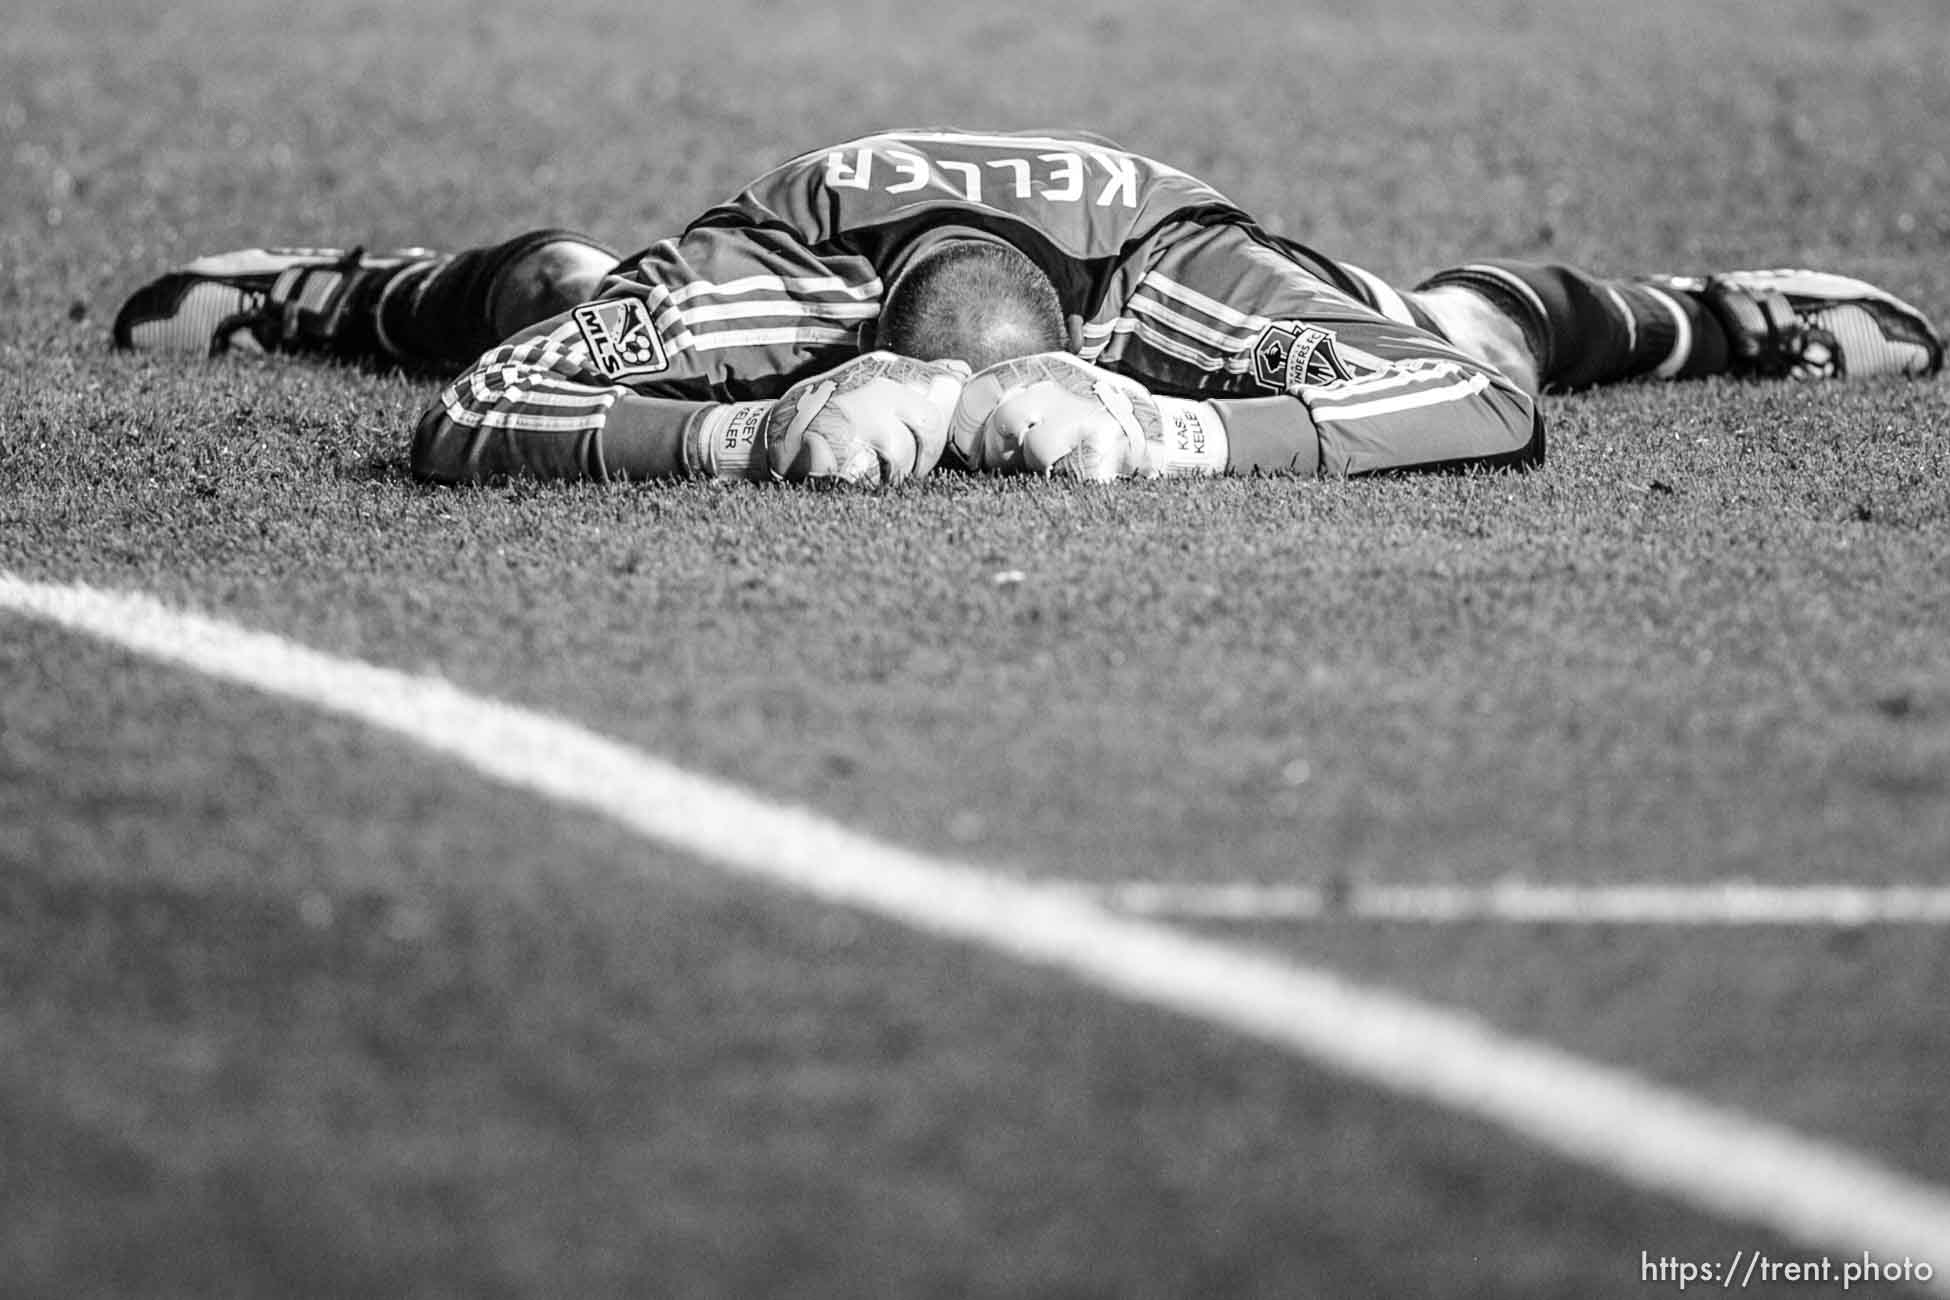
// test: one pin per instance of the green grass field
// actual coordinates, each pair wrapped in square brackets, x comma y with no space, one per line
[291,1008]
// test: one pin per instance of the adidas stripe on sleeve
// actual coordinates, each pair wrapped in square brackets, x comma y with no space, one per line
[720,316]
[532,405]
[1222,313]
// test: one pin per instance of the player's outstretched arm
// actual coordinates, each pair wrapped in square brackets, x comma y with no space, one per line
[535,408]
[1055,413]
[521,413]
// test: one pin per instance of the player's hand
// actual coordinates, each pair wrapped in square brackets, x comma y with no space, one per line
[876,419]
[1056,414]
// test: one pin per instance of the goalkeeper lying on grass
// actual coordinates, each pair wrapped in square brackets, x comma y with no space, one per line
[1014,302]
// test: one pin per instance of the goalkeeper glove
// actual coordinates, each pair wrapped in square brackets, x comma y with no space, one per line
[1056,414]
[876,419]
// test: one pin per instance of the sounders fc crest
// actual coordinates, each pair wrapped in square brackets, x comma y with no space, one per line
[1289,356]
[622,338]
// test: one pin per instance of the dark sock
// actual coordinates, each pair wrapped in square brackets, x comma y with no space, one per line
[1588,330]
[442,312]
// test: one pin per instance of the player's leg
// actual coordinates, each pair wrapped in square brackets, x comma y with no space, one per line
[411,306]
[1581,329]
[453,310]
[1482,329]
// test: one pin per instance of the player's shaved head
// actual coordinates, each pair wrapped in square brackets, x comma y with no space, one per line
[971,300]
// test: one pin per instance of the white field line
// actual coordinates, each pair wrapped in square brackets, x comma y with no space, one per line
[1727,903]
[1715,1159]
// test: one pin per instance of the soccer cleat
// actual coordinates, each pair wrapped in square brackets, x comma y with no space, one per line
[1813,325]
[315,300]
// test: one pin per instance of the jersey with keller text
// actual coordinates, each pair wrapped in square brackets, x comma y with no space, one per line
[1076,202]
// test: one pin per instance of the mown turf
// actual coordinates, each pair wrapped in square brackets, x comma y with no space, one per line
[290,1009]
[492,1049]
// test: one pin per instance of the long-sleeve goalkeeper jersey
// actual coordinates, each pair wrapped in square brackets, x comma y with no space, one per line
[1164,279]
